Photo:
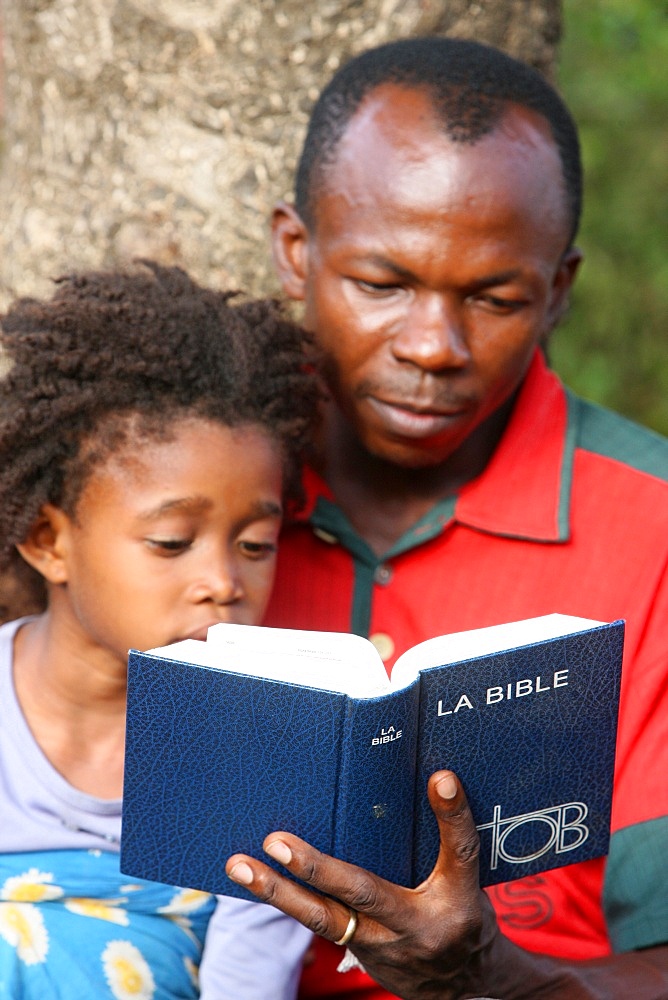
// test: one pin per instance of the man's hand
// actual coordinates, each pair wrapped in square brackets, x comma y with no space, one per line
[439,941]
[426,942]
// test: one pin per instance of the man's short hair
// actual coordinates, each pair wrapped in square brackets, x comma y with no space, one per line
[470,85]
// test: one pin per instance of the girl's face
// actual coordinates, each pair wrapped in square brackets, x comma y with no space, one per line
[173,536]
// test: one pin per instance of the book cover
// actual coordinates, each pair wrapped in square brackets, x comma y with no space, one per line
[229,740]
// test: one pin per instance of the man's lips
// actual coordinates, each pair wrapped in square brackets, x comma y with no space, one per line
[414,420]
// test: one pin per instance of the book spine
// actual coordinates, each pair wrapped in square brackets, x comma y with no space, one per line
[374,814]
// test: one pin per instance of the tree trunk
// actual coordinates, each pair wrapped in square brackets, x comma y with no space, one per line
[168,128]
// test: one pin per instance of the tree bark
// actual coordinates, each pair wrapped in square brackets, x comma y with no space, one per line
[168,128]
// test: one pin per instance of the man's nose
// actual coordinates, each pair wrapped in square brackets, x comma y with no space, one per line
[432,335]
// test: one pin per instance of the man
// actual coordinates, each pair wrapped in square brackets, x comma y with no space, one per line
[460,486]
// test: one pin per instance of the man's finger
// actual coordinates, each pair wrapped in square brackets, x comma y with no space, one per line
[460,844]
[355,887]
[359,889]
[323,916]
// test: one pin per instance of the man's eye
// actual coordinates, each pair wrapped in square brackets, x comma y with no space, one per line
[257,550]
[500,304]
[169,546]
[377,288]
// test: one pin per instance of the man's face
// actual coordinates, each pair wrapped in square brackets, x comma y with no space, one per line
[431,272]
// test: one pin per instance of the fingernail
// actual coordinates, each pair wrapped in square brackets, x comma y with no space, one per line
[447,787]
[241,873]
[279,851]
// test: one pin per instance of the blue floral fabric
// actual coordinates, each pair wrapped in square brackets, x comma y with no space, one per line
[71,925]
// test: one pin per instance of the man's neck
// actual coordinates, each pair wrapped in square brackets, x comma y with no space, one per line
[383,500]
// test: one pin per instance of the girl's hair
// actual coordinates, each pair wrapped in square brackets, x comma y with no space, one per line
[147,343]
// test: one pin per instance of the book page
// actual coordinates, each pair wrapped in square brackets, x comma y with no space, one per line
[331,661]
[350,664]
[482,641]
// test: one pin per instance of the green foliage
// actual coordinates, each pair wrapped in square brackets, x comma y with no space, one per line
[613,347]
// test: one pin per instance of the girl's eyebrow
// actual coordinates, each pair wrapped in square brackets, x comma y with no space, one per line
[264,508]
[188,505]
[199,504]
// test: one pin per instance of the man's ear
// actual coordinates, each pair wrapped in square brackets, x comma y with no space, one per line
[289,240]
[561,288]
[44,546]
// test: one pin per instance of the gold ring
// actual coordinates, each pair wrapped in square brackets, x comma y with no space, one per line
[350,929]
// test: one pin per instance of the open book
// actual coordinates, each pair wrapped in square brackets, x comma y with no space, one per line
[260,729]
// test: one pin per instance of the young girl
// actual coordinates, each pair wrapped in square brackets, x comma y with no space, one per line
[150,434]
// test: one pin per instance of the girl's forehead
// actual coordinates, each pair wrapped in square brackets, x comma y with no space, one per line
[122,437]
[167,446]
[135,453]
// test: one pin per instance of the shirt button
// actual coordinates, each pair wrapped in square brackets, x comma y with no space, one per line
[383,575]
[383,643]
[325,536]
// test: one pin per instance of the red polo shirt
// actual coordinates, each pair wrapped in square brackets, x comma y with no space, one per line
[570,516]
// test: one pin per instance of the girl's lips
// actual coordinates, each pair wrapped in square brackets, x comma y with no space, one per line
[198,633]
[414,423]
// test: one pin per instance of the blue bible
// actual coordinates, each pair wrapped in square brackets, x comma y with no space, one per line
[261,729]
